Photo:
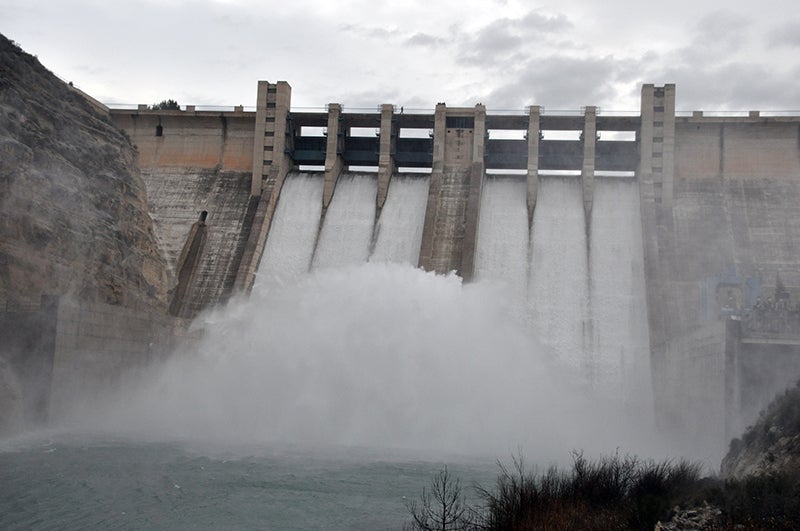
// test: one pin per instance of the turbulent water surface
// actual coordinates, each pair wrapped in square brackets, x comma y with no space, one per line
[82,483]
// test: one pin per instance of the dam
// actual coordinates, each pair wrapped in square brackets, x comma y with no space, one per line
[640,225]
[632,244]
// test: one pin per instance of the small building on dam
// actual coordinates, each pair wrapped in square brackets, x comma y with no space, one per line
[680,228]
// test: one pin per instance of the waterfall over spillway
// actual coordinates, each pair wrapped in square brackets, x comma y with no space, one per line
[558,288]
[585,300]
[294,228]
[577,287]
[502,248]
[399,229]
[369,353]
[621,343]
[347,230]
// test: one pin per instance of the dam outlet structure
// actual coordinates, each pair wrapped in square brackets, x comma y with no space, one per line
[633,246]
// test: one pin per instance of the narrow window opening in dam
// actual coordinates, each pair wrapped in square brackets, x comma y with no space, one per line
[413,132]
[460,122]
[617,136]
[560,173]
[405,169]
[498,171]
[616,174]
[367,132]
[308,130]
[555,134]
[507,134]
[159,130]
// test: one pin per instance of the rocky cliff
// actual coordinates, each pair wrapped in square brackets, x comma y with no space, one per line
[772,444]
[73,223]
[73,214]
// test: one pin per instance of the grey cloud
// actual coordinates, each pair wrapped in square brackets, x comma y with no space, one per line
[539,22]
[424,39]
[497,37]
[559,82]
[507,37]
[733,86]
[787,34]
[717,34]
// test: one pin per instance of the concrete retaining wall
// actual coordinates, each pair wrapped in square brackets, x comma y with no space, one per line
[95,344]
[187,139]
[741,149]
[26,362]
[177,197]
[690,388]
[730,214]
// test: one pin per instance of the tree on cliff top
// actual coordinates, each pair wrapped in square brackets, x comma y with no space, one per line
[166,105]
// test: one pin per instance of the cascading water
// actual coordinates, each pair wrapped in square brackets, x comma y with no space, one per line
[399,229]
[386,355]
[293,233]
[558,288]
[502,248]
[586,303]
[621,345]
[347,231]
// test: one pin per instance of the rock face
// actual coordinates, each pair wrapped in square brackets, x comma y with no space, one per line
[772,444]
[73,215]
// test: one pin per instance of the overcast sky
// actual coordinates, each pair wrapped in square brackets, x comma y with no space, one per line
[507,54]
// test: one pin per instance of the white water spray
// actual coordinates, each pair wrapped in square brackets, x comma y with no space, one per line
[385,355]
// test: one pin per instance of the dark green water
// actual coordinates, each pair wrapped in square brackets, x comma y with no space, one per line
[105,484]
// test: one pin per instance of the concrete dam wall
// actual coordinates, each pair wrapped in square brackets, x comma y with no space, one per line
[713,200]
[201,164]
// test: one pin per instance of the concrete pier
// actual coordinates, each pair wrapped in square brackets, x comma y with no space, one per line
[452,215]
[589,136]
[274,102]
[386,161]
[334,163]
[534,138]
[270,143]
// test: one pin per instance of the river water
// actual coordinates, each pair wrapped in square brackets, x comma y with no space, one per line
[70,482]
